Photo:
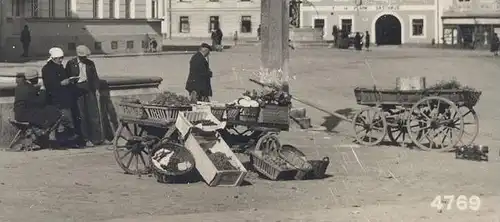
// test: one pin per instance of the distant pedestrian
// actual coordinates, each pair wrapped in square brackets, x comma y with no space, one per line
[26,40]
[218,39]
[357,41]
[154,45]
[235,37]
[213,37]
[494,44]
[259,32]
[335,34]
[367,41]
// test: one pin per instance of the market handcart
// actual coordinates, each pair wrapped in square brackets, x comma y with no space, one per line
[431,119]
[141,128]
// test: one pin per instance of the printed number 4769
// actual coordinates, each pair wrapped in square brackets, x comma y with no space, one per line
[462,202]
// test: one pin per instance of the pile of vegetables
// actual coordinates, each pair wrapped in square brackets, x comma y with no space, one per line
[221,161]
[130,100]
[450,84]
[170,99]
[262,98]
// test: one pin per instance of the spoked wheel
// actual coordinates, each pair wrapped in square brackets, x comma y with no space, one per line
[439,123]
[268,143]
[396,126]
[471,125]
[130,152]
[370,126]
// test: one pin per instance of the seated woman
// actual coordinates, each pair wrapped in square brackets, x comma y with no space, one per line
[30,106]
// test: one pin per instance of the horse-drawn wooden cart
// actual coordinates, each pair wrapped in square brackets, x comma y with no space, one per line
[141,129]
[431,119]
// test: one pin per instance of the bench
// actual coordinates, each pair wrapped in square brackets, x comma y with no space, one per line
[26,131]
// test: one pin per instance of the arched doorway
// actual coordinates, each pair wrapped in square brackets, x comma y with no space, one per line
[388,30]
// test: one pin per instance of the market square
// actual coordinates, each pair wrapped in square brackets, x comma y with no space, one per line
[364,183]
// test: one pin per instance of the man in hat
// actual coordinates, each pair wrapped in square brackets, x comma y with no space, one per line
[198,83]
[87,116]
[30,104]
[59,89]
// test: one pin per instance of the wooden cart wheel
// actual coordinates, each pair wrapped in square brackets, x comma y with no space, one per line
[129,151]
[471,125]
[396,127]
[439,123]
[370,126]
[268,143]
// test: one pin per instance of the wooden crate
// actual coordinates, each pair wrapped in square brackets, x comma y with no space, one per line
[275,114]
[211,175]
[166,114]
[185,119]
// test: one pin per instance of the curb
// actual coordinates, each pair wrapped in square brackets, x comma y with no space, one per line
[20,62]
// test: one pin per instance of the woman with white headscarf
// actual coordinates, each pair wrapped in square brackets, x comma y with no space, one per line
[59,90]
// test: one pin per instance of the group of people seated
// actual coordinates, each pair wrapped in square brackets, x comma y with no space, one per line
[65,106]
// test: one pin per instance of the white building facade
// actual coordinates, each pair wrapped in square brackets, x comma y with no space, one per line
[390,22]
[117,26]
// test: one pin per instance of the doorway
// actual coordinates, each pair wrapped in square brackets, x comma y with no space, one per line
[388,30]
[319,24]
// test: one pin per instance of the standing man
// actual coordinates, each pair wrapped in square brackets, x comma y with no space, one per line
[88,118]
[198,83]
[219,35]
[26,40]
[258,32]
[58,87]
[367,41]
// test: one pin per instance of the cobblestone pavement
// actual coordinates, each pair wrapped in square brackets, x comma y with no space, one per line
[367,183]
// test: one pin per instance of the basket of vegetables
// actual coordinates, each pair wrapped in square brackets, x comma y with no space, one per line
[275,105]
[166,107]
[271,166]
[243,109]
[132,108]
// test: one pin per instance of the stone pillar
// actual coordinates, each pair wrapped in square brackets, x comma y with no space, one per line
[274,36]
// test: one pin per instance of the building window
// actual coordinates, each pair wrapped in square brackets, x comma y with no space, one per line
[213,23]
[184,24]
[95,8]
[114,45]
[127,9]
[246,24]
[67,12]
[98,46]
[112,8]
[130,44]
[72,46]
[18,7]
[34,8]
[154,9]
[346,25]
[52,8]
[417,26]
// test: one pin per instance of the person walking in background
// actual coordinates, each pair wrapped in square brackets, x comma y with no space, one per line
[235,37]
[26,40]
[357,41]
[494,44]
[154,45]
[213,37]
[367,41]
[198,83]
[258,32]
[87,118]
[219,35]
[58,87]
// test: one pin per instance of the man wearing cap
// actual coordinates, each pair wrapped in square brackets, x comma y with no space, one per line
[30,105]
[59,91]
[198,83]
[88,119]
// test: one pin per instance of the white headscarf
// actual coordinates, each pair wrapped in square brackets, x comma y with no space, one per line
[55,52]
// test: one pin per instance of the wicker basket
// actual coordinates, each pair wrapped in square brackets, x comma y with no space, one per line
[218,112]
[243,114]
[167,114]
[133,110]
[266,168]
[275,114]
[297,159]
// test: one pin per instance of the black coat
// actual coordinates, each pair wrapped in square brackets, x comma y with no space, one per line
[57,94]
[199,75]
[30,106]
[73,69]
[367,40]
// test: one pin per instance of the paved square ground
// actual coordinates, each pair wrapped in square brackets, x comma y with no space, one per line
[386,184]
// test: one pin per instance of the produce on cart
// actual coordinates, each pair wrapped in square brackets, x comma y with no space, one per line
[143,126]
[215,161]
[432,118]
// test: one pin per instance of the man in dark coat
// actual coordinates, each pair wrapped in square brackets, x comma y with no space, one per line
[367,41]
[198,83]
[30,103]
[88,118]
[59,89]
[26,40]
[219,35]
[357,41]
[494,44]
